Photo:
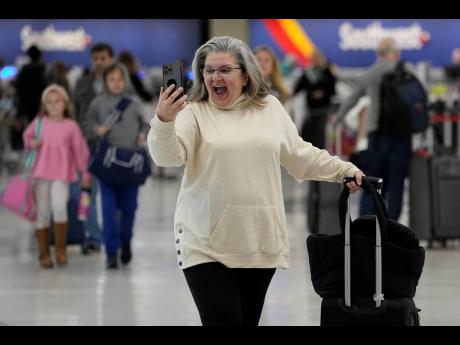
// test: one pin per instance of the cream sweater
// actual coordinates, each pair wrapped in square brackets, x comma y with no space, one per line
[230,206]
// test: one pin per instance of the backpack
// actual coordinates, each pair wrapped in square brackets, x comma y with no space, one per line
[403,103]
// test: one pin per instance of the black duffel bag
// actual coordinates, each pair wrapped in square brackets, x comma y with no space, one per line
[402,256]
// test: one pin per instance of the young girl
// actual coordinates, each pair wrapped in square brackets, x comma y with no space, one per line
[61,151]
[128,132]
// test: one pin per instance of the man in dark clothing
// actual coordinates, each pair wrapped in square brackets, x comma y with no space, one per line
[319,83]
[30,84]
[87,88]
[127,59]
[387,155]
[90,85]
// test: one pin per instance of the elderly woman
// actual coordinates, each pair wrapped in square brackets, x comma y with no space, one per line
[230,225]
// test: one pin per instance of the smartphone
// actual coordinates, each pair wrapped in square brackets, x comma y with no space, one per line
[173,74]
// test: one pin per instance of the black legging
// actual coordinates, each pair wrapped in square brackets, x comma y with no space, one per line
[228,296]
[314,128]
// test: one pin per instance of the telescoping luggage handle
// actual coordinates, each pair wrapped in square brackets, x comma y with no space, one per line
[370,185]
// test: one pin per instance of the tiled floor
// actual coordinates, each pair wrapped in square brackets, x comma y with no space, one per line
[152,291]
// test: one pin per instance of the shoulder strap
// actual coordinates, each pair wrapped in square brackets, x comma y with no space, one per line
[32,155]
[38,128]
[116,112]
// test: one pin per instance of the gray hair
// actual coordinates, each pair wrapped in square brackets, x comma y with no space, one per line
[386,46]
[256,89]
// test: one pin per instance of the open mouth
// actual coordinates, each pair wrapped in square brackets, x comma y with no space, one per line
[220,90]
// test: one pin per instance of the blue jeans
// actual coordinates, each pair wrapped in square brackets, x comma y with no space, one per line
[387,157]
[118,227]
[93,230]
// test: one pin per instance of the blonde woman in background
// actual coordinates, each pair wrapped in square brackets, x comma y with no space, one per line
[269,67]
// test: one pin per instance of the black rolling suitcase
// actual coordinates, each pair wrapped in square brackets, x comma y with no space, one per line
[420,219]
[445,179]
[434,185]
[394,312]
[356,309]
[76,228]
[322,205]
[445,187]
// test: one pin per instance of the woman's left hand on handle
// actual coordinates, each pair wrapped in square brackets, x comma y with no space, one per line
[352,186]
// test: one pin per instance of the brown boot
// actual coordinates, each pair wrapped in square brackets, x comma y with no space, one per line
[44,255]
[60,242]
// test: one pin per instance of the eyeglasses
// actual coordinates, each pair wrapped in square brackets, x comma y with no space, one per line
[208,72]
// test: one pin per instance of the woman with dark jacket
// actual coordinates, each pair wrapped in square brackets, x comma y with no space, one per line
[319,82]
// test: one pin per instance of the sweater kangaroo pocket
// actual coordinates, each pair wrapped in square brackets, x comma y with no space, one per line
[246,230]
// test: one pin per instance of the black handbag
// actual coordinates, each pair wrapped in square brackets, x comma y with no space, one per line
[402,257]
[119,166]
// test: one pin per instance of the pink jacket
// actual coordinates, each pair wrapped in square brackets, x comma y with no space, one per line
[63,150]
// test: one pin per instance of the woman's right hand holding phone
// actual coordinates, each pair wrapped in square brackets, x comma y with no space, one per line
[167,109]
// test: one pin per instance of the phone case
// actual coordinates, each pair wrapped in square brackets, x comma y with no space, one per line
[172,74]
